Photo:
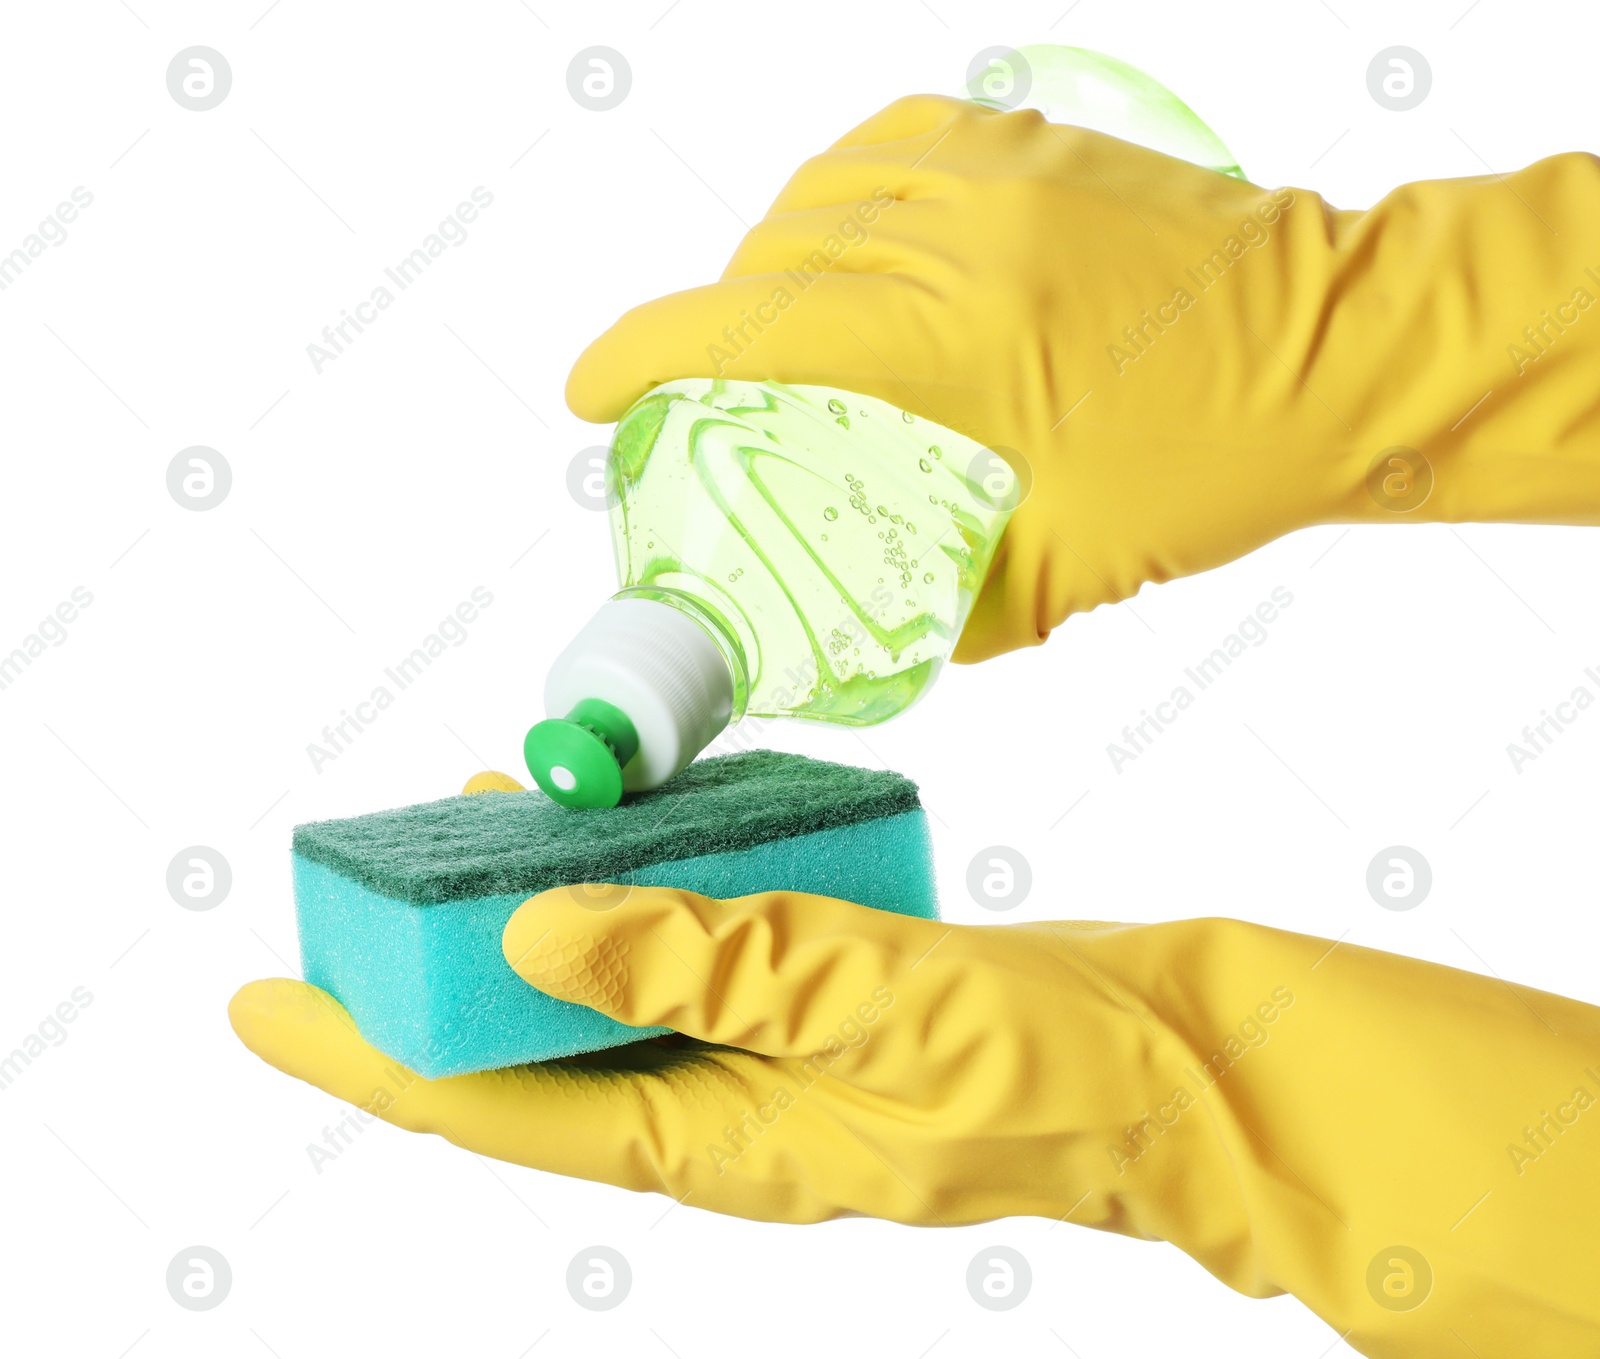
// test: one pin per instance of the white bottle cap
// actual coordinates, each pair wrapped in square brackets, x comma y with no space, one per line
[657,665]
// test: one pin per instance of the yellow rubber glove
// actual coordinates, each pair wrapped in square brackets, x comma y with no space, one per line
[1189,365]
[1408,1149]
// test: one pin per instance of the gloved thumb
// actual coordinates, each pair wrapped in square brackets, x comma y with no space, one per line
[771,973]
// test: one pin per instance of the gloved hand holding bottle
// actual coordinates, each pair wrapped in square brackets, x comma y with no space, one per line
[1188,366]
[1179,366]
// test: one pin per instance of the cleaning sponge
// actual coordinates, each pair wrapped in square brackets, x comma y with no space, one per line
[401,911]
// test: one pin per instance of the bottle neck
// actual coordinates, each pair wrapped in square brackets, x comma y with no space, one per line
[715,626]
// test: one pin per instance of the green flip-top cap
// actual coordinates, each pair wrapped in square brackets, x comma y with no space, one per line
[578,759]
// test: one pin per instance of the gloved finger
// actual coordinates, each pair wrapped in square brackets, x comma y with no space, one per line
[492,781]
[862,175]
[894,152]
[882,235]
[827,330]
[911,115]
[618,1117]
[774,973]
[876,154]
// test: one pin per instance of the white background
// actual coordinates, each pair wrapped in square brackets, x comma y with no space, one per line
[431,457]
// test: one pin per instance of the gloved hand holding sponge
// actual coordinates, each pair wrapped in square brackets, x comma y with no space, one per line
[1297,1115]
[1182,366]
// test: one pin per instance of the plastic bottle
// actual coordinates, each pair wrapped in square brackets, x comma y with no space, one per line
[792,551]
[1089,89]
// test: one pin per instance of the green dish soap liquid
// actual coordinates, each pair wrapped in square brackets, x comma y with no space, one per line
[795,551]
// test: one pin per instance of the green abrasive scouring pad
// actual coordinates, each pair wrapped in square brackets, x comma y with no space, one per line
[401,912]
